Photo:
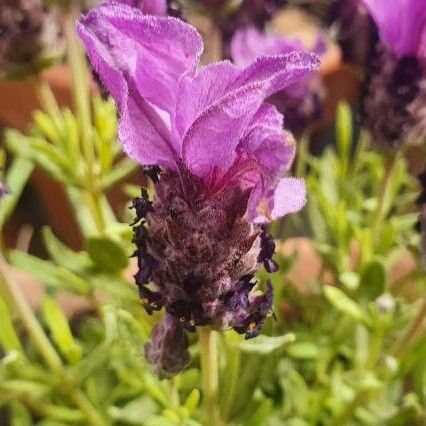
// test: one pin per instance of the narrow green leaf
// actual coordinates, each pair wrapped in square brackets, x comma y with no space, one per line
[8,337]
[343,303]
[48,273]
[63,255]
[57,323]
[303,350]
[118,172]
[192,401]
[264,345]
[107,254]
[16,178]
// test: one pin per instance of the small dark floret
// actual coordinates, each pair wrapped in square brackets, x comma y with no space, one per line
[267,250]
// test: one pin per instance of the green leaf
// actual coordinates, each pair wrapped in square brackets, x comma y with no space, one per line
[135,412]
[46,125]
[373,280]
[349,279]
[343,303]
[118,172]
[344,130]
[54,276]
[191,403]
[16,178]
[8,338]
[19,415]
[303,350]
[64,256]
[107,254]
[58,325]
[264,345]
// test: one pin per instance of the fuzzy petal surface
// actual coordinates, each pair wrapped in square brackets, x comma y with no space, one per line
[210,142]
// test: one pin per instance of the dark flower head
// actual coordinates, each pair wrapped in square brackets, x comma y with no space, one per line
[354,29]
[300,103]
[29,34]
[395,91]
[222,151]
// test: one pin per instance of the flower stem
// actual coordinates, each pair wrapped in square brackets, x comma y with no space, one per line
[210,379]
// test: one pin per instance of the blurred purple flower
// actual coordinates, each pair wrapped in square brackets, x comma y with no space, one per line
[395,92]
[301,102]
[221,151]
[401,24]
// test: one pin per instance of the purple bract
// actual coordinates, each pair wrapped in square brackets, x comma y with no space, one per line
[300,102]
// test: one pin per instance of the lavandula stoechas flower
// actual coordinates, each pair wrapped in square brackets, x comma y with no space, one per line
[28,35]
[217,152]
[394,106]
[354,29]
[301,103]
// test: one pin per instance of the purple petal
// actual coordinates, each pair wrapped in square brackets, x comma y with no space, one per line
[197,93]
[211,140]
[154,52]
[141,73]
[249,43]
[149,7]
[288,197]
[402,24]
[266,140]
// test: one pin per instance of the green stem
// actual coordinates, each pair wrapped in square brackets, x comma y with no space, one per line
[375,348]
[384,194]
[302,154]
[231,379]
[27,316]
[80,82]
[210,379]
[92,202]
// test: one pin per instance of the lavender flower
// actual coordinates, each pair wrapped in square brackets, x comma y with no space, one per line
[217,153]
[301,103]
[395,98]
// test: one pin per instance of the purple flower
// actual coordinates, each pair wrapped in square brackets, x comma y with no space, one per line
[301,102]
[395,90]
[217,152]
[401,24]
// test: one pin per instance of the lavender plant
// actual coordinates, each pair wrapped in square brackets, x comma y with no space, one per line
[343,347]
